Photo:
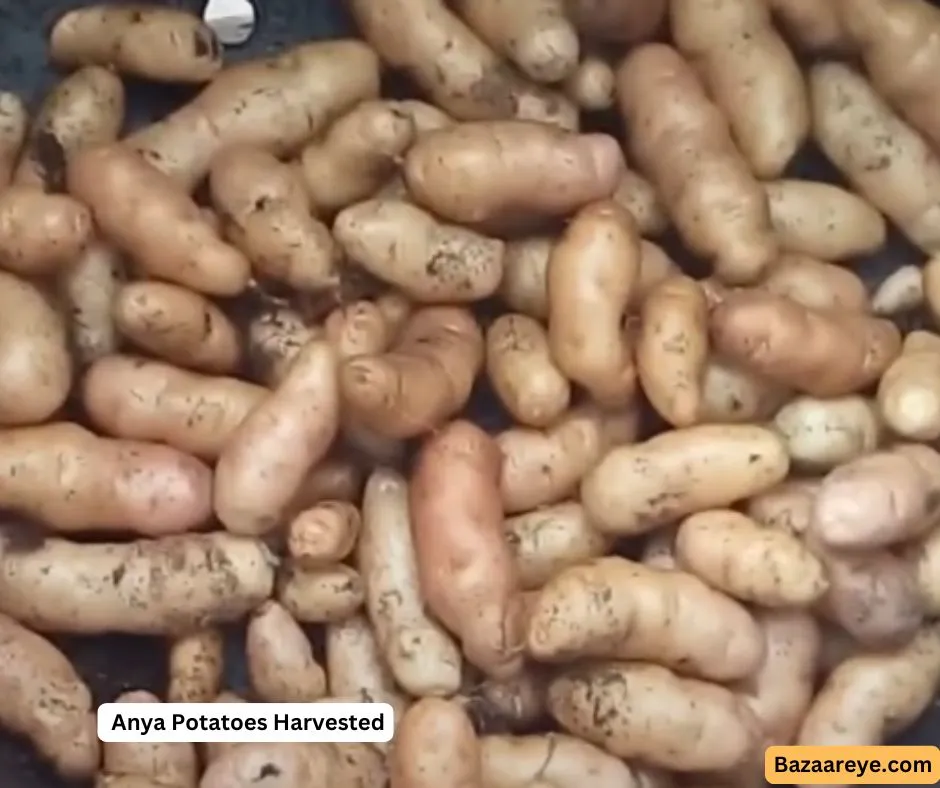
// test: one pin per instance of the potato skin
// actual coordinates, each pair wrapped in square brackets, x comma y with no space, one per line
[196,665]
[281,665]
[14,122]
[468,577]
[816,284]
[137,399]
[47,701]
[591,84]
[171,585]
[88,287]
[909,393]
[814,26]
[319,596]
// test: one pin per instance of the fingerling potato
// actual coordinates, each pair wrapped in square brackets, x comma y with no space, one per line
[435,747]
[196,666]
[322,595]
[14,123]
[281,664]
[88,287]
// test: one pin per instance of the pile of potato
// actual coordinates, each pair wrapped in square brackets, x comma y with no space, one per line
[238,346]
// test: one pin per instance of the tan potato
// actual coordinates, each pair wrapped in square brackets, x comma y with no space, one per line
[542,467]
[886,161]
[125,781]
[924,556]
[549,539]
[787,506]
[45,700]
[672,349]
[266,213]
[197,662]
[814,26]
[458,72]
[427,260]
[820,353]
[736,555]
[622,21]
[823,433]
[145,213]
[274,337]
[718,208]
[523,374]
[612,608]
[591,274]
[421,656]
[424,379]
[358,328]
[425,117]
[14,122]
[324,534]
[270,452]
[823,220]
[281,664]
[136,399]
[732,395]
[900,292]
[395,309]
[591,85]
[500,174]
[167,586]
[358,153]
[638,196]
[640,710]
[909,392]
[88,287]
[635,489]
[320,596]
[816,284]
[435,747]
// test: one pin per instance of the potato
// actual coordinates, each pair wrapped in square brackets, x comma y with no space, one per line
[196,667]
[683,144]
[171,763]
[622,21]
[638,196]
[787,507]
[672,349]
[591,273]
[136,399]
[816,284]
[542,467]
[501,174]
[900,292]
[640,710]
[635,489]
[612,608]
[270,452]
[425,117]
[763,566]
[732,395]
[84,109]
[144,213]
[395,309]
[281,664]
[34,354]
[424,379]
[40,233]
[276,103]
[167,586]
[274,338]
[458,72]
[324,534]
[823,220]
[591,85]
[14,122]
[909,392]
[924,556]
[320,596]
[87,287]
[814,26]
[823,433]
[45,700]
[820,353]
[435,747]
[557,761]
[885,160]
[549,539]
[872,697]
[468,578]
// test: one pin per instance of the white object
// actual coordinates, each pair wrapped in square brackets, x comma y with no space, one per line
[232,20]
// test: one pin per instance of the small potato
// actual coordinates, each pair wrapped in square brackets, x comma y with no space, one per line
[430,262]
[266,213]
[357,329]
[900,292]
[136,399]
[197,662]
[320,596]
[622,21]
[335,479]
[358,153]
[672,349]
[45,700]
[643,711]
[281,665]
[787,507]
[823,433]
[763,566]
[435,747]
[274,338]
[591,274]
[324,534]
[549,539]
[523,374]
[909,393]
[732,395]
[145,213]
[591,84]
[41,233]
[638,196]
[822,220]
[816,284]
[34,354]
[635,489]
[14,122]
[424,379]
[167,586]
[502,174]
[88,287]
[611,608]
[267,456]
[814,26]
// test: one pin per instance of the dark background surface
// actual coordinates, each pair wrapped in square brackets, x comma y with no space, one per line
[114,664]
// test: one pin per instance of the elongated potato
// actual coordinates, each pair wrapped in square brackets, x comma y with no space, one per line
[14,122]
[635,489]
[638,196]
[816,284]
[324,534]
[167,586]
[281,664]
[435,747]
[569,621]
[322,595]
[733,395]
[909,391]
[88,287]
[196,665]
